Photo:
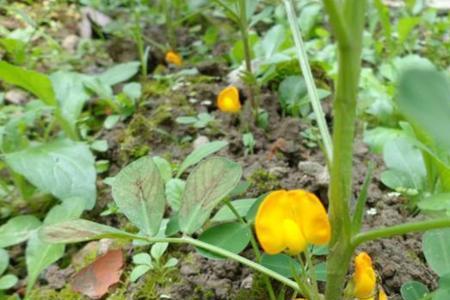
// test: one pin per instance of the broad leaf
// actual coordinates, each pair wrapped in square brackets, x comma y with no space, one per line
[233,237]
[200,153]
[39,254]
[80,231]
[70,93]
[424,98]
[242,206]
[174,191]
[281,263]
[164,168]
[17,230]
[64,168]
[34,82]
[413,290]
[138,191]
[7,281]
[206,186]
[119,73]
[436,202]
[402,156]
[436,248]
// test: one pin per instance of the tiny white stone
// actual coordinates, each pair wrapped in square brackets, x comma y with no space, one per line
[371,211]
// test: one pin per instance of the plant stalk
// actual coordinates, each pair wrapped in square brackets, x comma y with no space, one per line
[351,13]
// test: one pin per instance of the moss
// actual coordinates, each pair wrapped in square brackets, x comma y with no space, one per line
[257,291]
[264,181]
[154,282]
[156,88]
[48,294]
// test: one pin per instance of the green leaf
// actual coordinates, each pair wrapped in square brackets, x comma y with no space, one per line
[206,186]
[70,93]
[39,254]
[436,248]
[138,191]
[242,206]
[4,260]
[378,137]
[200,153]
[281,263]
[436,202]
[133,90]
[251,214]
[413,290]
[119,73]
[17,230]
[233,237]
[164,168]
[80,231]
[174,191]
[34,82]
[64,168]
[7,281]
[291,90]
[424,98]
[138,271]
[142,259]
[402,156]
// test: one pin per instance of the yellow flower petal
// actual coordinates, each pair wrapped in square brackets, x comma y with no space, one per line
[312,217]
[173,58]
[267,223]
[293,237]
[289,221]
[364,278]
[228,100]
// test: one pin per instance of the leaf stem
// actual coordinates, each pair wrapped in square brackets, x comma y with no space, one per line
[309,78]
[419,226]
[217,250]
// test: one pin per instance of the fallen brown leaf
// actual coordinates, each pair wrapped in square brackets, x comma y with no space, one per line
[95,279]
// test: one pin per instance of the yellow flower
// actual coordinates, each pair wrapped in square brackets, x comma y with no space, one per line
[228,100]
[174,58]
[364,278]
[290,220]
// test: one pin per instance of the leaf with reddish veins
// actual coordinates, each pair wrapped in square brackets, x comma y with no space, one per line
[95,279]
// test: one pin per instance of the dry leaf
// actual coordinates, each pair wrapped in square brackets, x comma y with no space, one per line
[95,279]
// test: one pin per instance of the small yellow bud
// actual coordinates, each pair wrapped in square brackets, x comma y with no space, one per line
[228,100]
[173,58]
[290,220]
[364,278]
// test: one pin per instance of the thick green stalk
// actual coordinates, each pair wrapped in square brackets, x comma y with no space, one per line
[344,108]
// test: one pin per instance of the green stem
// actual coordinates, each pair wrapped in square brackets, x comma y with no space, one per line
[380,233]
[312,273]
[254,247]
[310,83]
[217,250]
[344,108]
[243,26]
